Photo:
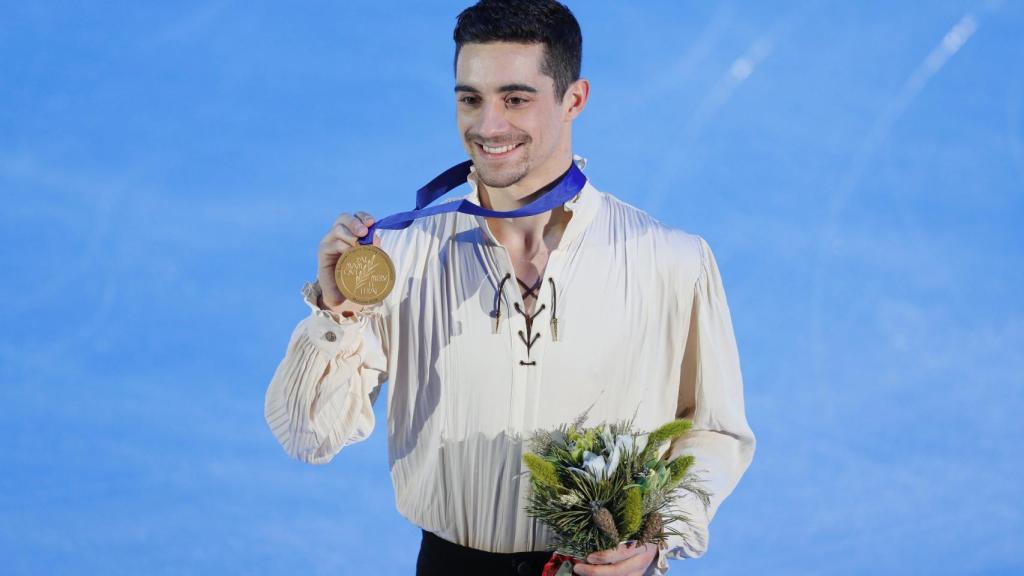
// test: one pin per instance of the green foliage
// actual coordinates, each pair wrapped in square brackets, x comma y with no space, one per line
[665,433]
[583,443]
[632,511]
[570,499]
[542,471]
[677,470]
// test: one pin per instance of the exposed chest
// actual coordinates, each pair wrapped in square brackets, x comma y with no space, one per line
[529,271]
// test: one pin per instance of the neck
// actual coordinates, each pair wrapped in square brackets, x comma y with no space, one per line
[531,187]
[527,233]
[530,234]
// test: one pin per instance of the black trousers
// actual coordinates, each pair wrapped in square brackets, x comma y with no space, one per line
[439,557]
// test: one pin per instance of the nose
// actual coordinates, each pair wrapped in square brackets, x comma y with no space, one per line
[492,121]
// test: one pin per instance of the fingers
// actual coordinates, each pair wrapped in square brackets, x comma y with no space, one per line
[613,555]
[341,233]
[347,230]
[332,245]
[357,224]
[365,218]
[625,560]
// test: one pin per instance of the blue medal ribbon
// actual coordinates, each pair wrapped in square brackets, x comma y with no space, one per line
[563,190]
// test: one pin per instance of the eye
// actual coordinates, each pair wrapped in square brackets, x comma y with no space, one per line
[469,100]
[515,101]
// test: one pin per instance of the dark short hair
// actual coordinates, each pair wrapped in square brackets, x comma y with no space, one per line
[527,21]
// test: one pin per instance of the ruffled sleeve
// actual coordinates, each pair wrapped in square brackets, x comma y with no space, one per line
[711,394]
[321,396]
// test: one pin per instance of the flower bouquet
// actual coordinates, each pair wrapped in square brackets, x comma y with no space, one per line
[601,486]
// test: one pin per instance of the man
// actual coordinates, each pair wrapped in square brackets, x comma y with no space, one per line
[498,327]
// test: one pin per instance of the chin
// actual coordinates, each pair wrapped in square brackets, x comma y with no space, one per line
[502,177]
[501,180]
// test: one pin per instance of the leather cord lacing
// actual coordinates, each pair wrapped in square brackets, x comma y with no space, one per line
[528,338]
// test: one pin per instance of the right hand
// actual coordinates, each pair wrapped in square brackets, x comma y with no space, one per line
[345,234]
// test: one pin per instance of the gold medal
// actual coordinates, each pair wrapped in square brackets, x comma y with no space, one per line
[365,274]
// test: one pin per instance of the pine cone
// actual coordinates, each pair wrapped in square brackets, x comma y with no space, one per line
[605,522]
[652,528]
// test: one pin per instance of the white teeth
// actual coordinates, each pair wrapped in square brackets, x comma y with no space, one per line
[500,150]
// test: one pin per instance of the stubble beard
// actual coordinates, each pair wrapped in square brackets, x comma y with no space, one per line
[506,175]
[503,177]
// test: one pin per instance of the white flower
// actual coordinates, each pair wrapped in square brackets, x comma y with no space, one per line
[613,460]
[597,465]
[594,464]
[602,466]
[625,442]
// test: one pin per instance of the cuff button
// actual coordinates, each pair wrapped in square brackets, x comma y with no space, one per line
[330,336]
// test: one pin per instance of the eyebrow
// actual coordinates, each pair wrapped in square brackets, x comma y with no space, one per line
[505,88]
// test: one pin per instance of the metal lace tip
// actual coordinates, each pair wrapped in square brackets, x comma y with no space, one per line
[554,329]
[497,323]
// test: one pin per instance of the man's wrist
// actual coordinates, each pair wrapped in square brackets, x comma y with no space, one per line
[320,302]
[346,309]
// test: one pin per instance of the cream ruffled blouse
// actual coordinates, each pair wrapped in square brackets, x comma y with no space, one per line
[631,318]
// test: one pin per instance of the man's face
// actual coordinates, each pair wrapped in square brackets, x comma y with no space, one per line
[511,124]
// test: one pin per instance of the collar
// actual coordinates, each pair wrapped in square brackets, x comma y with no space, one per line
[583,207]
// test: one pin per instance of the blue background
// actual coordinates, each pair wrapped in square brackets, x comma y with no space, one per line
[167,171]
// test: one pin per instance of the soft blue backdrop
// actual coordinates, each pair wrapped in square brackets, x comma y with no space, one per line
[167,170]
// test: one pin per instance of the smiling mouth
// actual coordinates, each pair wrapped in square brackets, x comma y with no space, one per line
[498,151]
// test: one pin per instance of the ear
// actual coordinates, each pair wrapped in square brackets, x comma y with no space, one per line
[575,99]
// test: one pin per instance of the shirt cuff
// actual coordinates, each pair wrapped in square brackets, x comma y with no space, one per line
[660,565]
[311,293]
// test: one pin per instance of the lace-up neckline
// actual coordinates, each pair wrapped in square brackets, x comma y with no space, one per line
[530,336]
